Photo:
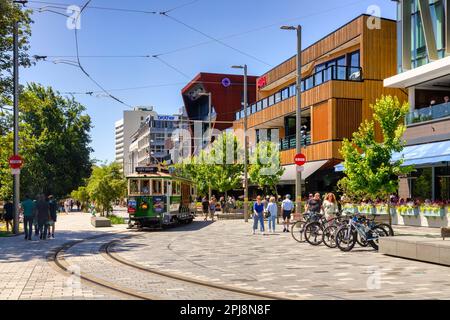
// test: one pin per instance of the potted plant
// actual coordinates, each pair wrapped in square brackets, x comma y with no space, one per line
[435,209]
[408,210]
[383,209]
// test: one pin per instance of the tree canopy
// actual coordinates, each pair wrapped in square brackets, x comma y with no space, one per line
[54,138]
[265,170]
[370,171]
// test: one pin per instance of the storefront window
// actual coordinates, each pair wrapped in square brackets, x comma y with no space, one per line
[442,183]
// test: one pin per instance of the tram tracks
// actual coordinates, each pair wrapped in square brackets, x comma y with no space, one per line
[108,251]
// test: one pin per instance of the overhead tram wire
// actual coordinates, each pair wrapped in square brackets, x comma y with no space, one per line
[82,68]
[215,39]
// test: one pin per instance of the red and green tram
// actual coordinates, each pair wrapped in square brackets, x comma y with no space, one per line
[157,198]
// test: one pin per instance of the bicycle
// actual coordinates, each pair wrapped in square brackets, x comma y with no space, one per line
[298,228]
[346,235]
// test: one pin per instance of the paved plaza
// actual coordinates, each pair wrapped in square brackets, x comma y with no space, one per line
[222,252]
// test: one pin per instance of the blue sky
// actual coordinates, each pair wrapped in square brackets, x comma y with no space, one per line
[108,32]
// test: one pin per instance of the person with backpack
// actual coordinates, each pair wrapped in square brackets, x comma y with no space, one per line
[43,216]
[258,215]
[272,213]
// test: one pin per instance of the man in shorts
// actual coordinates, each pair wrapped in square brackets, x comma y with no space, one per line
[286,206]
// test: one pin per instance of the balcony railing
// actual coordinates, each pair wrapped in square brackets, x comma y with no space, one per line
[331,73]
[426,114]
[289,142]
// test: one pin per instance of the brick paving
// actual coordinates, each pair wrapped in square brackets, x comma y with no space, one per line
[223,252]
[26,274]
[227,252]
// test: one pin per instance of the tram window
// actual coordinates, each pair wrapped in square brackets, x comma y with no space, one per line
[165,187]
[145,187]
[176,188]
[134,187]
[156,186]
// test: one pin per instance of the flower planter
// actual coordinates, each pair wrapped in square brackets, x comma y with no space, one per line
[408,211]
[349,208]
[367,209]
[383,210]
[433,213]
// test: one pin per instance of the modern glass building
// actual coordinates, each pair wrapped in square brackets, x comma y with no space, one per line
[424,71]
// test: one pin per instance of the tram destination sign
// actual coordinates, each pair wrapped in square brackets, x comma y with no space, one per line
[147,169]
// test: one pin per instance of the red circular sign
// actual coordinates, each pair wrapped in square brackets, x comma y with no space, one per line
[15,162]
[300,159]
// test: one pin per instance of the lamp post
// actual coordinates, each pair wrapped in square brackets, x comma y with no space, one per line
[298,178]
[244,67]
[209,126]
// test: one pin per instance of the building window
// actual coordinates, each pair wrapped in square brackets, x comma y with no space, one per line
[277,97]
[292,90]
[253,110]
[285,94]
[271,100]
[264,103]
[259,106]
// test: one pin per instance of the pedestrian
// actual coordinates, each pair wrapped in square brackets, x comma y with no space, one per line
[35,220]
[258,215]
[272,213]
[205,207]
[71,203]
[330,206]
[43,216]
[8,214]
[287,205]
[78,205]
[28,208]
[223,204]
[314,205]
[67,206]
[212,207]
[52,206]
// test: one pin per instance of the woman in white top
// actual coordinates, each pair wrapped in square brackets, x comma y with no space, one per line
[330,206]
[273,210]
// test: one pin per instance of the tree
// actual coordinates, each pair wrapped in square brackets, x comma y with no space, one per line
[54,140]
[197,170]
[227,171]
[265,169]
[368,166]
[9,13]
[82,195]
[105,185]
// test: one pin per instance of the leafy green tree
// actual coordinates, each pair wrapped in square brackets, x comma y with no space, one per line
[227,170]
[54,140]
[82,195]
[197,170]
[368,166]
[105,185]
[265,170]
[10,13]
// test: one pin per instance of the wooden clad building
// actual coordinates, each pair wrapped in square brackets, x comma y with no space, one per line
[342,75]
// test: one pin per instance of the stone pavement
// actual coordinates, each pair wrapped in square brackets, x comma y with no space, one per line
[26,274]
[226,251]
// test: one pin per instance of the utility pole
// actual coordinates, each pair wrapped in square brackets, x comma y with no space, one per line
[244,67]
[16,183]
[298,136]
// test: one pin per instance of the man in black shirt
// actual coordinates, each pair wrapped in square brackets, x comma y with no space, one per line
[52,206]
[43,216]
[314,204]
[8,214]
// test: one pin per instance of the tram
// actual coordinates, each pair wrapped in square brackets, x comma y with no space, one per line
[157,198]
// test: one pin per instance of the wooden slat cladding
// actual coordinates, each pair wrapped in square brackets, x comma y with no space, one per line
[277,110]
[321,126]
[332,41]
[379,51]
[320,151]
[347,117]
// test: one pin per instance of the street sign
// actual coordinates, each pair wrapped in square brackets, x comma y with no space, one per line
[300,159]
[15,171]
[300,168]
[15,162]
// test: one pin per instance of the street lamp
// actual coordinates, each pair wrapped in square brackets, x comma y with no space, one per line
[209,95]
[244,67]
[298,178]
